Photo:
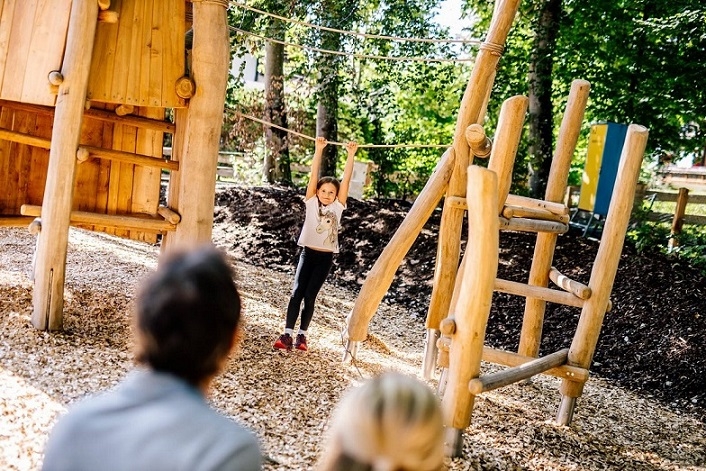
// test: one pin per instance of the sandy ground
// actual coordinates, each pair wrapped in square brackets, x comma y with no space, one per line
[286,399]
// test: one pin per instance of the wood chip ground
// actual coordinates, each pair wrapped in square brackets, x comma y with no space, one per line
[286,399]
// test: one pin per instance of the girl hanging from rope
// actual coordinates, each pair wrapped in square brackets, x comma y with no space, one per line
[325,201]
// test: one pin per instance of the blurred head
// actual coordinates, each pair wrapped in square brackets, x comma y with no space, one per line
[327,189]
[391,423]
[187,315]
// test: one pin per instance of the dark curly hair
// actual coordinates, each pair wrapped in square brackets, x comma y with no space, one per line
[187,314]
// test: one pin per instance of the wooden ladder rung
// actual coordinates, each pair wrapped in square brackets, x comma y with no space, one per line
[141,222]
[512,359]
[518,373]
[15,221]
[543,293]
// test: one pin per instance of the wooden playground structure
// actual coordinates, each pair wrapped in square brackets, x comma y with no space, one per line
[85,88]
[462,294]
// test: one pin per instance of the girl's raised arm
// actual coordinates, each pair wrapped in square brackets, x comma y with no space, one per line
[315,167]
[351,148]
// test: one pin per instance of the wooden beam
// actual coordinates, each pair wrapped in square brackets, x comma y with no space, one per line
[605,267]
[172,216]
[506,142]
[128,157]
[50,268]
[518,373]
[539,292]
[23,138]
[533,213]
[567,284]
[542,258]
[505,358]
[199,157]
[524,201]
[380,276]
[102,115]
[142,222]
[533,225]
[476,290]
[15,221]
[109,154]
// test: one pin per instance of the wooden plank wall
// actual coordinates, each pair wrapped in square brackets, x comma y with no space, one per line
[101,186]
[32,41]
[138,60]
[20,163]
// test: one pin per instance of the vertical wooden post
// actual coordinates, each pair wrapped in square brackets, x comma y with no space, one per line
[546,243]
[473,104]
[50,271]
[204,118]
[678,221]
[505,144]
[474,300]
[605,267]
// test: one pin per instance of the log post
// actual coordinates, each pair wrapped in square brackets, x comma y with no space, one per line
[48,299]
[678,221]
[472,111]
[473,306]
[204,117]
[583,345]
[506,142]
[383,271]
[533,319]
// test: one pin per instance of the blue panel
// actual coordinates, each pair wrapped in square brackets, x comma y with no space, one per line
[609,166]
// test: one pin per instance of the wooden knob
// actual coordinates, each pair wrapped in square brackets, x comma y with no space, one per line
[448,326]
[35,227]
[55,78]
[108,16]
[82,154]
[103,4]
[123,110]
[480,145]
[185,87]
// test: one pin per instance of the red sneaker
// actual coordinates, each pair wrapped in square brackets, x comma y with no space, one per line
[300,343]
[284,342]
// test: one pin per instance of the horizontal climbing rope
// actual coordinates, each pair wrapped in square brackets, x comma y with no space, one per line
[342,144]
[356,33]
[352,54]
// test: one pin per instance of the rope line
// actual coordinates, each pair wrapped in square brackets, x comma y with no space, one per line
[359,56]
[223,3]
[356,33]
[342,144]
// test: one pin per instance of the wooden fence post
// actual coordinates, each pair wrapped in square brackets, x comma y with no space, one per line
[678,220]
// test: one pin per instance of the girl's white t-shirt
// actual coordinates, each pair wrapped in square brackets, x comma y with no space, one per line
[321,225]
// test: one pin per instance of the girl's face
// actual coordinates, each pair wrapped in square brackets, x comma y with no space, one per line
[326,193]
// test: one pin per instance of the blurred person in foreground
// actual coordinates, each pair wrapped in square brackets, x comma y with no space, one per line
[187,321]
[391,422]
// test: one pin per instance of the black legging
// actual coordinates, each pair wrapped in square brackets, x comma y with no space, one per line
[311,273]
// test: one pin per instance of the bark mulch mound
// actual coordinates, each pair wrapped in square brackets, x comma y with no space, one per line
[651,342]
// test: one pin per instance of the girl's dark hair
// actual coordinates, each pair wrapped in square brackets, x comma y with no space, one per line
[187,315]
[332,180]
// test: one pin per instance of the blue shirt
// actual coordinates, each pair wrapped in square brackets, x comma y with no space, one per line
[152,421]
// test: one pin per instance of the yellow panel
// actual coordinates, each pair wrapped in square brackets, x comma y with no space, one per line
[594,156]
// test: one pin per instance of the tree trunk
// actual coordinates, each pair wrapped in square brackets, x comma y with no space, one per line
[276,167]
[540,97]
[327,108]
